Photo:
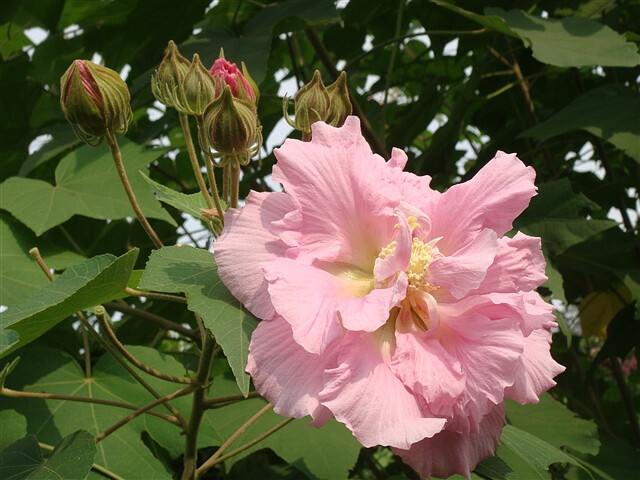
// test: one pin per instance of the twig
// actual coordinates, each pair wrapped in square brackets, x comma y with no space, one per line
[122,173]
[184,123]
[214,461]
[205,146]
[7,392]
[35,253]
[160,296]
[163,322]
[219,401]
[376,143]
[392,61]
[144,409]
[626,398]
[100,313]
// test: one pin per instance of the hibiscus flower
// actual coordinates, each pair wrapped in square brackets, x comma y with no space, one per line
[402,312]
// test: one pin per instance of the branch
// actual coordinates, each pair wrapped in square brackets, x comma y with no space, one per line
[100,313]
[222,401]
[144,409]
[163,322]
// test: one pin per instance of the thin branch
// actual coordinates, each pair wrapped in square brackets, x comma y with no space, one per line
[104,323]
[392,61]
[211,462]
[159,296]
[626,398]
[7,392]
[144,409]
[220,401]
[376,143]
[117,158]
[195,165]
[35,253]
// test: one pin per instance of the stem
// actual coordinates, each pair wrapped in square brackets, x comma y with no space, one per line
[235,184]
[160,296]
[220,401]
[626,398]
[392,61]
[217,457]
[142,410]
[376,143]
[35,253]
[143,314]
[184,123]
[197,409]
[117,158]
[208,160]
[242,448]
[100,313]
[225,182]
[7,392]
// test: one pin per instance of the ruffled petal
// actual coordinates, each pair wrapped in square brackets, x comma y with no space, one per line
[285,373]
[536,369]
[493,198]
[464,269]
[518,266]
[428,370]
[450,452]
[246,244]
[363,393]
[344,193]
[488,351]
[318,304]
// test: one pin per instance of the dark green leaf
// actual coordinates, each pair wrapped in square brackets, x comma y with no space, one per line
[188,203]
[194,272]
[71,459]
[14,427]
[535,452]
[80,286]
[20,458]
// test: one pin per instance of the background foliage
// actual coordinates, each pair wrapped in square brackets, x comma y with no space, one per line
[449,82]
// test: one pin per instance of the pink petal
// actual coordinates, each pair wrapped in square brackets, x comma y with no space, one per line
[518,266]
[363,393]
[399,260]
[488,351]
[318,304]
[450,452]
[464,269]
[536,369]
[493,198]
[426,368]
[246,244]
[344,193]
[284,372]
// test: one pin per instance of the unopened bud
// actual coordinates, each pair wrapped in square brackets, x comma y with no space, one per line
[232,125]
[199,89]
[241,84]
[340,105]
[95,100]
[311,105]
[167,80]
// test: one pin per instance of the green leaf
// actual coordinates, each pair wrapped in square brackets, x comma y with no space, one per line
[72,458]
[188,203]
[21,276]
[122,452]
[567,431]
[194,272]
[80,286]
[496,468]
[609,112]
[554,215]
[571,41]
[20,458]
[494,22]
[86,184]
[14,427]
[328,452]
[535,452]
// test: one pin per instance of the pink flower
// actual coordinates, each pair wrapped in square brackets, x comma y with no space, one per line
[400,311]
[230,75]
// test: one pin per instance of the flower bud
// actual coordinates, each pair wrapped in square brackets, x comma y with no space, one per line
[311,105]
[168,79]
[340,106]
[95,100]
[241,84]
[198,89]
[232,125]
